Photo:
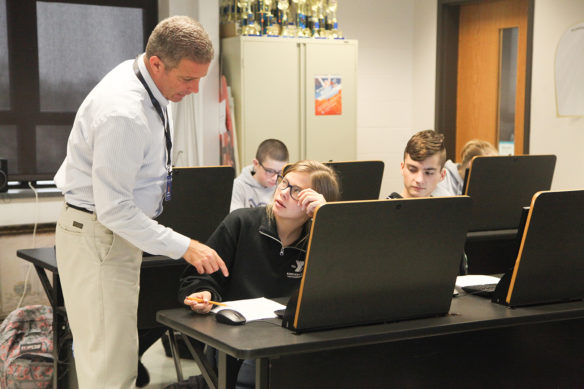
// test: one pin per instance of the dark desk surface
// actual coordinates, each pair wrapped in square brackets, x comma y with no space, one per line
[45,257]
[259,339]
[159,279]
[489,235]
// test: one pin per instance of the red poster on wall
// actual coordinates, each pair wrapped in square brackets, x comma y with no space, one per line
[327,95]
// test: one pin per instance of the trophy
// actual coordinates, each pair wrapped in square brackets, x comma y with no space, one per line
[302,30]
[322,18]
[248,24]
[287,26]
[234,12]
[331,17]
[235,16]
[317,18]
[224,11]
[267,18]
[244,5]
[262,16]
[229,18]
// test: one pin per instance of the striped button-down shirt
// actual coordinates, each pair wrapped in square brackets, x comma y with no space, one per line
[115,163]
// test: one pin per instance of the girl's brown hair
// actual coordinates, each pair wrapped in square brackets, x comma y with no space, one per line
[323,179]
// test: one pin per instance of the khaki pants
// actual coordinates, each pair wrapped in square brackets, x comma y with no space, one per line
[100,275]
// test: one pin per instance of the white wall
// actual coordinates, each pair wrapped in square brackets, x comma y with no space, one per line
[203,148]
[13,272]
[20,211]
[397,72]
[424,64]
[549,133]
[385,33]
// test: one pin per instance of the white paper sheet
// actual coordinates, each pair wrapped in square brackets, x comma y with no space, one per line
[475,279]
[253,309]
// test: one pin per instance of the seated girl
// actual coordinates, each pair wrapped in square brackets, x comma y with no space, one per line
[264,248]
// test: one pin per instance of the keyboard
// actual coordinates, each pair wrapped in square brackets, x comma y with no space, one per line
[484,290]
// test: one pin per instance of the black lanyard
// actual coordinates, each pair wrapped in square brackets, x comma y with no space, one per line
[158,108]
[165,123]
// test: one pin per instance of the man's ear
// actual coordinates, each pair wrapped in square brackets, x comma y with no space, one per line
[401,168]
[156,64]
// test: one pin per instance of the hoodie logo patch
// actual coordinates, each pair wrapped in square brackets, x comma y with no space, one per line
[253,204]
[298,267]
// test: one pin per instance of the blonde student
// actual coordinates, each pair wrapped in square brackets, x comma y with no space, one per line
[454,179]
[264,248]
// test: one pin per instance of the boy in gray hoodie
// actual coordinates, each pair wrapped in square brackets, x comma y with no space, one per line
[255,185]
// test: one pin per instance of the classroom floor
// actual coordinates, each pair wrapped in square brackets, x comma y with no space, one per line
[161,368]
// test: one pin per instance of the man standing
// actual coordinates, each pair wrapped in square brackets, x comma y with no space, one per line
[115,175]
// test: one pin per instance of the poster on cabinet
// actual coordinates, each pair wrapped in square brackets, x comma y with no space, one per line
[327,95]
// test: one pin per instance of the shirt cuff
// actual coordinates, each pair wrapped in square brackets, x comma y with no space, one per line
[178,246]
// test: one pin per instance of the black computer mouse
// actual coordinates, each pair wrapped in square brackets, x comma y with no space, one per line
[230,316]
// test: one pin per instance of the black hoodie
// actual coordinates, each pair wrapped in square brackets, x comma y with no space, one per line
[259,266]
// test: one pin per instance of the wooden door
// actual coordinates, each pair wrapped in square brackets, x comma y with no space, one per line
[479,67]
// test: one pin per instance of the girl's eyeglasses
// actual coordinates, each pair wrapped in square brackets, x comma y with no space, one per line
[283,184]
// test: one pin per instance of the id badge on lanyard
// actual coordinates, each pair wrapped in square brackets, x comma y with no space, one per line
[168,191]
[165,123]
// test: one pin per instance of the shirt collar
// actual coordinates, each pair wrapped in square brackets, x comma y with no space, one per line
[151,84]
[268,227]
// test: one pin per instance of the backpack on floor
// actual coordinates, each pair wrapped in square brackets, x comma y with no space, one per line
[26,348]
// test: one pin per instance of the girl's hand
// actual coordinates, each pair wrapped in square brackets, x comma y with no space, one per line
[309,200]
[199,302]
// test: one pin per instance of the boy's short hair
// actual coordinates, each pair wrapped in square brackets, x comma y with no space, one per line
[274,149]
[425,144]
[475,147]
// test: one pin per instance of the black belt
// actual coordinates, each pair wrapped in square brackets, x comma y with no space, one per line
[80,208]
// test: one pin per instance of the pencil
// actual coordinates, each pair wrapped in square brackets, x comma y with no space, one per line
[199,300]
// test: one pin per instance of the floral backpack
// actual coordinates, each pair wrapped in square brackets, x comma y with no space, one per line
[26,348]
